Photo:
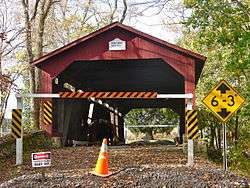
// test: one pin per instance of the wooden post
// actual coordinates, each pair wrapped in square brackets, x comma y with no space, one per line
[113,123]
[121,129]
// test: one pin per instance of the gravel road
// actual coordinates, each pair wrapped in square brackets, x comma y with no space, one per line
[137,176]
[132,167]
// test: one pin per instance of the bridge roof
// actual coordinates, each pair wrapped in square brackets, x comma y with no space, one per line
[83,39]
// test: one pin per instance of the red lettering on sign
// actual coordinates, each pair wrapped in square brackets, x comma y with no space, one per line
[41,156]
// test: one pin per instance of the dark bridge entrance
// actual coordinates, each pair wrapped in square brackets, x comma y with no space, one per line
[123,75]
[91,64]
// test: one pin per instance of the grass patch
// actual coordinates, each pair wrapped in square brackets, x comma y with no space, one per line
[33,142]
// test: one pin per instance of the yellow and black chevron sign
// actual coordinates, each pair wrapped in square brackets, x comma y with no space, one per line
[192,124]
[122,95]
[47,112]
[16,127]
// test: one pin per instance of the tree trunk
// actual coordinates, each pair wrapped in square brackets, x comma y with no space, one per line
[149,135]
[4,105]
[1,99]
[216,138]
[33,107]
[36,76]
[211,144]
[219,137]
[32,83]
[34,73]
[1,52]
[44,10]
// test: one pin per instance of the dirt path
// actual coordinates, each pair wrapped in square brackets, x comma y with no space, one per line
[137,166]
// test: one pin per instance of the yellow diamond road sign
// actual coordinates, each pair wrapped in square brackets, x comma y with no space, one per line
[223,100]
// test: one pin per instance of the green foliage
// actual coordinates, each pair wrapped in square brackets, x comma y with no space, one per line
[239,155]
[33,142]
[223,25]
[152,116]
[220,30]
[214,155]
[36,142]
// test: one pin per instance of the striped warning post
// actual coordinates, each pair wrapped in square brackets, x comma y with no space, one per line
[122,95]
[192,124]
[47,112]
[16,126]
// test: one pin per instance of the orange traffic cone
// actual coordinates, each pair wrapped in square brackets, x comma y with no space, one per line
[102,168]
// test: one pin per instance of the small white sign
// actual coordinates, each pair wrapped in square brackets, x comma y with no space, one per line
[117,44]
[41,159]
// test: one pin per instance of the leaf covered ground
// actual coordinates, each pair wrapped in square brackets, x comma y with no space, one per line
[133,166]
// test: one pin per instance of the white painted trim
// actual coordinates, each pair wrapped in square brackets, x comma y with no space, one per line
[175,96]
[135,126]
[159,96]
[39,95]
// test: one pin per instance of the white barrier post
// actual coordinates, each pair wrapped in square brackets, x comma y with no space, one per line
[125,134]
[19,141]
[19,151]
[190,141]
[190,152]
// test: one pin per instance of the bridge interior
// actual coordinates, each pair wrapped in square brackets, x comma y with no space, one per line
[71,115]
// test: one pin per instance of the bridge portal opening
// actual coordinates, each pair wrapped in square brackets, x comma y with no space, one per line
[143,63]
[115,75]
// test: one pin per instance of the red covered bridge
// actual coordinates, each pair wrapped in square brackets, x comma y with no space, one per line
[116,58]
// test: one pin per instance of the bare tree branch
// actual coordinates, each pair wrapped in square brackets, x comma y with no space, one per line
[113,12]
[86,11]
[35,10]
[124,13]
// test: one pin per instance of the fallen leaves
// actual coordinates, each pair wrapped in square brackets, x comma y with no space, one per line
[133,166]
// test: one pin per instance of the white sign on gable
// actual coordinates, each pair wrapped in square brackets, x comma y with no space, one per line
[117,44]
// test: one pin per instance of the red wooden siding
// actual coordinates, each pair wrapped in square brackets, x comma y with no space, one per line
[46,84]
[139,46]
